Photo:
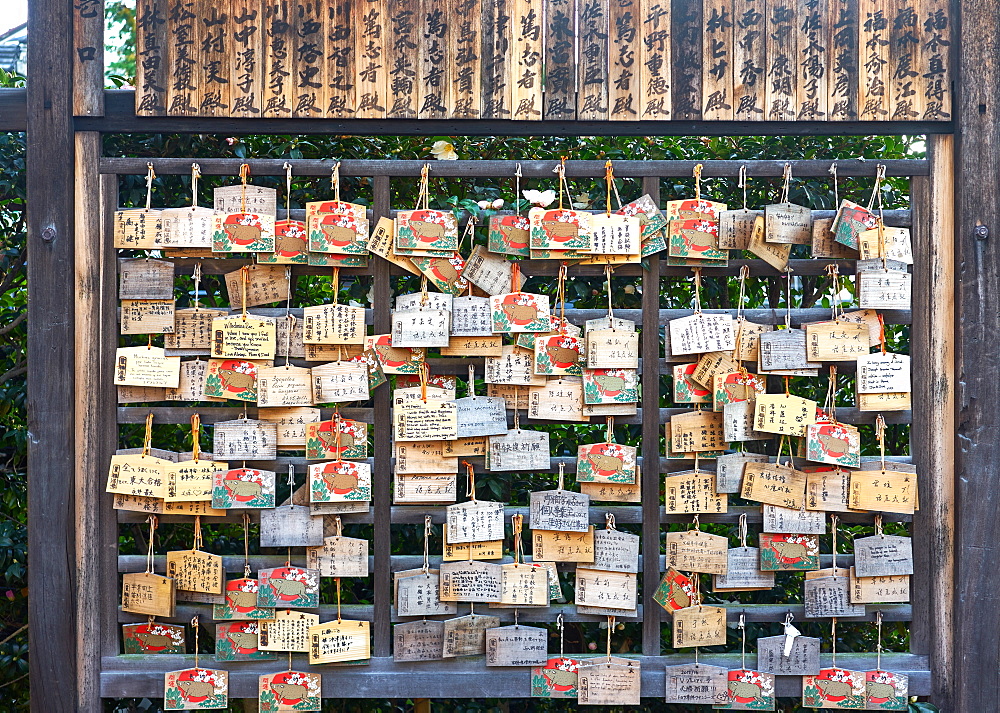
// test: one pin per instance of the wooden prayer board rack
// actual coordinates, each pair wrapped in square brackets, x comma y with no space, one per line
[97,528]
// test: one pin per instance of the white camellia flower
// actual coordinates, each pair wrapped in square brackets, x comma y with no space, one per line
[444,151]
[497,204]
[539,198]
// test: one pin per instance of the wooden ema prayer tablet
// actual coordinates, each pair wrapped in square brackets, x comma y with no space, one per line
[343,232]
[515,366]
[340,481]
[883,556]
[290,244]
[561,399]
[470,581]
[242,233]
[782,413]
[238,641]
[148,593]
[774,254]
[156,506]
[336,438]
[895,244]
[693,492]
[729,470]
[288,691]
[245,439]
[675,591]
[288,631]
[487,271]
[699,626]
[288,587]
[883,373]
[738,422]
[883,491]
[473,346]
[696,684]
[338,556]
[886,691]
[191,385]
[824,244]
[471,446]
[612,349]
[697,431]
[836,341]
[788,223]
[701,333]
[466,635]
[748,338]
[190,480]
[288,335]
[520,312]
[834,443]
[291,425]
[195,571]
[788,552]
[880,590]
[743,573]
[421,328]
[153,638]
[884,402]
[145,279]
[606,463]
[736,228]
[784,350]
[749,690]
[558,546]
[888,289]
[709,365]
[475,521]
[686,389]
[794,521]
[694,209]
[481,416]
[556,679]
[243,488]
[559,510]
[234,379]
[414,420]
[240,337]
[616,551]
[827,489]
[834,688]
[417,594]
[229,199]
[471,317]
[801,659]
[558,354]
[630,409]
[424,488]
[524,584]
[339,382]
[138,229]
[189,227]
[559,229]
[603,684]
[140,475]
[697,551]
[469,550]
[192,331]
[519,450]
[615,235]
[330,352]
[829,597]
[611,590]
[339,641]
[265,284]
[418,641]
[516,646]
[734,387]
[290,526]
[146,366]
[196,689]
[147,316]
[380,243]
[426,232]
[423,457]
[140,394]
[333,324]
[420,300]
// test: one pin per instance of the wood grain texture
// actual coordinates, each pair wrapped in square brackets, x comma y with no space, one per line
[309,45]
[401,59]
[686,37]
[843,60]
[51,401]
[497,60]
[749,59]
[466,58]
[560,58]
[526,88]
[717,60]
[593,70]
[433,81]
[371,57]
[341,80]
[88,58]
[151,59]
[624,62]
[873,55]
[278,59]
[811,64]
[246,58]
[781,76]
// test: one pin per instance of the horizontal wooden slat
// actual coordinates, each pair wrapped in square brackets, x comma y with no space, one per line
[465,677]
[529,169]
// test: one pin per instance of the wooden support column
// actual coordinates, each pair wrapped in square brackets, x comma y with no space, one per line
[51,383]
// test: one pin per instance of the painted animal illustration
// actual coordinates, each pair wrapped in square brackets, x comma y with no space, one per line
[696,210]
[289,244]
[834,689]
[288,587]
[154,641]
[679,598]
[699,239]
[196,689]
[289,692]
[834,446]
[560,231]
[444,270]
[339,235]
[559,678]
[242,234]
[562,355]
[746,690]
[515,232]
[238,599]
[520,314]
[426,231]
[605,463]
[790,550]
[393,356]
[329,440]
[880,691]
[736,391]
[243,639]
[237,381]
[341,482]
[610,384]
[243,489]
